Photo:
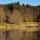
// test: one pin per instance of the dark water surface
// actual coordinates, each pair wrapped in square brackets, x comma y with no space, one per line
[19,35]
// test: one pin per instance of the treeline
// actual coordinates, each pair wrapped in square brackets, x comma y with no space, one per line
[17,5]
[34,11]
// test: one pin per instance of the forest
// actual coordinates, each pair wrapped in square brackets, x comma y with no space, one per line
[27,12]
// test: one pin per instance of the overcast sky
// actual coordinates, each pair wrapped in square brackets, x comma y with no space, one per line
[31,2]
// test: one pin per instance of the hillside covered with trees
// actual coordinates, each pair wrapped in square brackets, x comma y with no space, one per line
[25,12]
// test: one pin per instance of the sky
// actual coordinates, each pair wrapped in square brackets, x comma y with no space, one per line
[30,2]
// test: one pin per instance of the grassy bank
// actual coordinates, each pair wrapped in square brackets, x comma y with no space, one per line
[27,26]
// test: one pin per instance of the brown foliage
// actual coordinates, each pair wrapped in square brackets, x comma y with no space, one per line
[2,14]
[15,17]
